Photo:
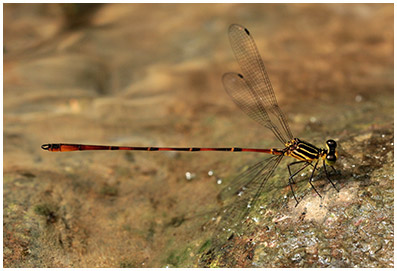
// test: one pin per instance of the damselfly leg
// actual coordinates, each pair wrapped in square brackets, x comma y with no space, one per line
[291,176]
[327,174]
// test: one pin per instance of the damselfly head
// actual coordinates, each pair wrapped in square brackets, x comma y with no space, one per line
[330,159]
[331,154]
[331,144]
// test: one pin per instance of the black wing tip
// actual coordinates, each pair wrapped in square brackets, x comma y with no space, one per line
[240,27]
[231,74]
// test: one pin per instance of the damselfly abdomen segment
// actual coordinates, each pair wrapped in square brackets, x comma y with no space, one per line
[252,91]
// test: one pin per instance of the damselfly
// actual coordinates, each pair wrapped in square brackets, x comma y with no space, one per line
[253,93]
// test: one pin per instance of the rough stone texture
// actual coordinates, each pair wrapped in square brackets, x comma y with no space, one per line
[149,75]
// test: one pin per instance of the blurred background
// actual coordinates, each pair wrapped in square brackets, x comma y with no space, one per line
[150,75]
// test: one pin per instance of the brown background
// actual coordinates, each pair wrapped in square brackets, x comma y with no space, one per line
[150,75]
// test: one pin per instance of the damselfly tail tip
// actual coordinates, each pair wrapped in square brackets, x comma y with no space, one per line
[46,147]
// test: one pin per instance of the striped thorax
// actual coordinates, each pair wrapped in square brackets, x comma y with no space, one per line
[305,151]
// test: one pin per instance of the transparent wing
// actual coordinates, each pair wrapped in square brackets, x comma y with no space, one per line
[245,181]
[249,101]
[240,195]
[253,91]
[244,190]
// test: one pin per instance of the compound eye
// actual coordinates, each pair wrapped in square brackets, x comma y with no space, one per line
[331,143]
[331,157]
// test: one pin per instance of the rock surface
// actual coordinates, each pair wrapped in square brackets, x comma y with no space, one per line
[150,75]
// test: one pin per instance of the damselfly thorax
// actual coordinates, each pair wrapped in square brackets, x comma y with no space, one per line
[304,151]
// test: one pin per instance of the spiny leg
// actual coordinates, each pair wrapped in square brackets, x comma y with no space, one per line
[311,178]
[291,176]
[332,168]
[327,174]
[289,170]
